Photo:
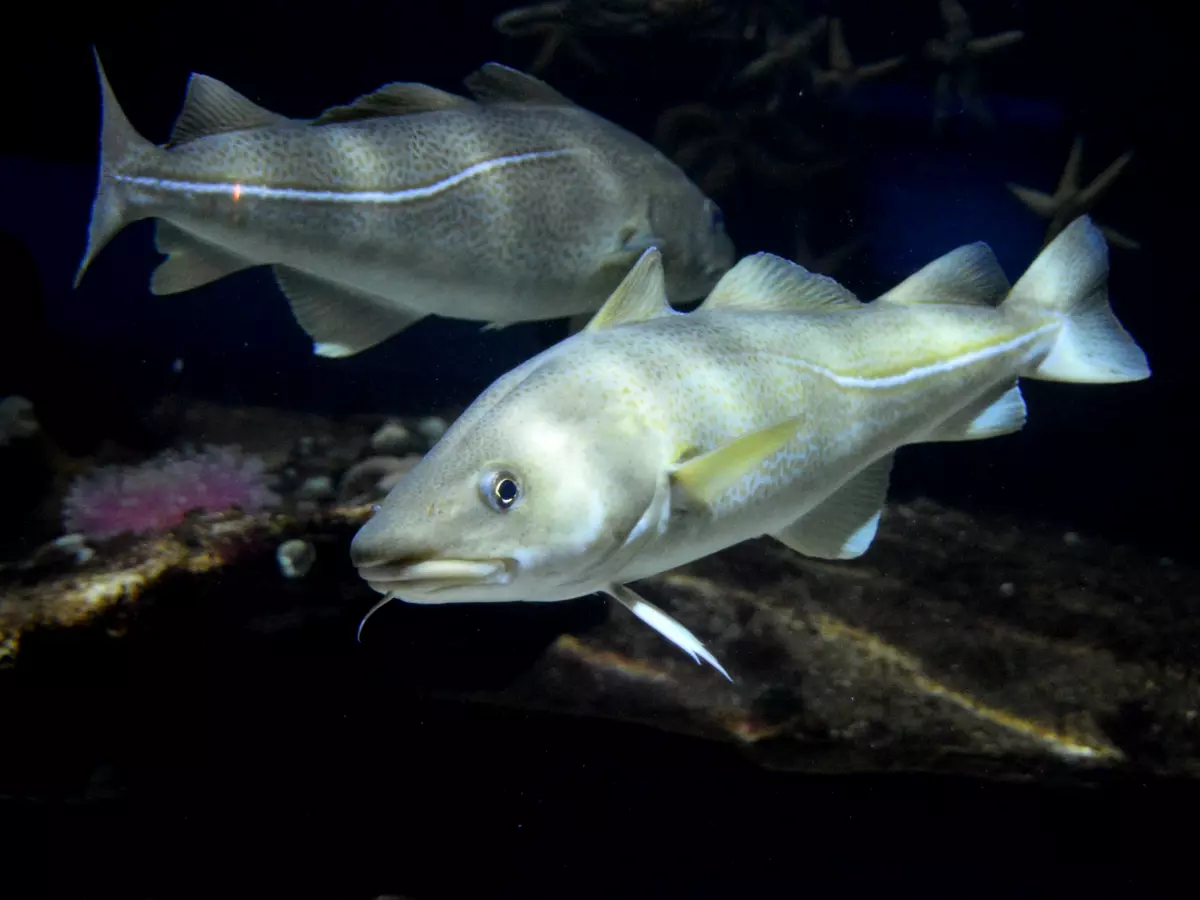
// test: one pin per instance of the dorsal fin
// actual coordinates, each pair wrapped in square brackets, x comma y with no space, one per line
[213,107]
[496,83]
[970,276]
[641,295]
[765,282]
[400,98]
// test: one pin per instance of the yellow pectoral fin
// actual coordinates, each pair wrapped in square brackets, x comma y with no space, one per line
[706,477]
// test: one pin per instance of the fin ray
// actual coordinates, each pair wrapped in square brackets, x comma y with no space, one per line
[213,107]
[120,148]
[968,276]
[190,261]
[706,477]
[400,98]
[497,83]
[641,295]
[1070,279]
[844,524]
[766,282]
[672,630]
[992,415]
[340,320]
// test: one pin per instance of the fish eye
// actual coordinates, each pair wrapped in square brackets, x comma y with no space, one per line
[501,490]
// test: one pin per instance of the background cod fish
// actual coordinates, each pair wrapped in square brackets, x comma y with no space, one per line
[514,206]
[654,438]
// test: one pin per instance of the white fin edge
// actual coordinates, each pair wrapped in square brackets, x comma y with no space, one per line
[664,625]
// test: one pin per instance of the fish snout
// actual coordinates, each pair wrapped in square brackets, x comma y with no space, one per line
[375,546]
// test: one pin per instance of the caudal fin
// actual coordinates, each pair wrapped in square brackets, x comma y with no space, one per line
[1070,278]
[120,145]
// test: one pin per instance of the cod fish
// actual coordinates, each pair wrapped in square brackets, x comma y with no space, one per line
[514,206]
[653,437]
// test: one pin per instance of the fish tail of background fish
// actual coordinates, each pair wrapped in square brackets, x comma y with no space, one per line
[121,148]
[1066,288]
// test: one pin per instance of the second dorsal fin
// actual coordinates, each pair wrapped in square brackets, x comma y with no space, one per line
[766,282]
[968,276]
[641,295]
[496,83]
[400,98]
[213,107]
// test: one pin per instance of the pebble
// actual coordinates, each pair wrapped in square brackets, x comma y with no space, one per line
[432,428]
[295,557]
[316,487]
[393,439]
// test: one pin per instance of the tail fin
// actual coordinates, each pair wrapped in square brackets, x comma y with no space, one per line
[1070,278]
[119,145]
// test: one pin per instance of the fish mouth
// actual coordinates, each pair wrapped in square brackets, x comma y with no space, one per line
[434,575]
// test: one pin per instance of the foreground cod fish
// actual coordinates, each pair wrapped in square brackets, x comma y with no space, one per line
[515,206]
[653,438]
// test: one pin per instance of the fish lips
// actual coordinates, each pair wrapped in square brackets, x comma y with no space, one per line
[432,576]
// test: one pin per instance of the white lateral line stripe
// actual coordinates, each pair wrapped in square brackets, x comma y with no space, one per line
[275,193]
[926,371]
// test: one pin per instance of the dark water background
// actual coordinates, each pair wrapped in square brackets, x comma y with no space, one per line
[1117,460]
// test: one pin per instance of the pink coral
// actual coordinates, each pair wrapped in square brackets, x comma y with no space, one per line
[156,495]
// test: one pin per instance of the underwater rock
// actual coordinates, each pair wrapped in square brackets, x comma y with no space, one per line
[393,439]
[295,557]
[958,644]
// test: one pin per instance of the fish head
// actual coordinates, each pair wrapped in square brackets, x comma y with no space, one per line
[690,231]
[529,501]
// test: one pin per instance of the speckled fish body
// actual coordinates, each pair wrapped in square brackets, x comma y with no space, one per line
[514,206]
[654,438]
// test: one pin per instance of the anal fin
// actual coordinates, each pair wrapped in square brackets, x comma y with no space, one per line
[340,320]
[993,414]
[843,525]
[191,262]
[664,625]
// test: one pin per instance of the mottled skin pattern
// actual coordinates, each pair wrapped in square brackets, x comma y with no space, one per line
[654,438]
[521,242]
[602,417]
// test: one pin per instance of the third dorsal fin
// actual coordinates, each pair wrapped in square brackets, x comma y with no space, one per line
[766,282]
[969,275]
[400,98]
[496,83]
[213,107]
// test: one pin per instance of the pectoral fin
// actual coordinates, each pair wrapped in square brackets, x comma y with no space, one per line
[844,524]
[705,478]
[341,321]
[664,625]
[190,262]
